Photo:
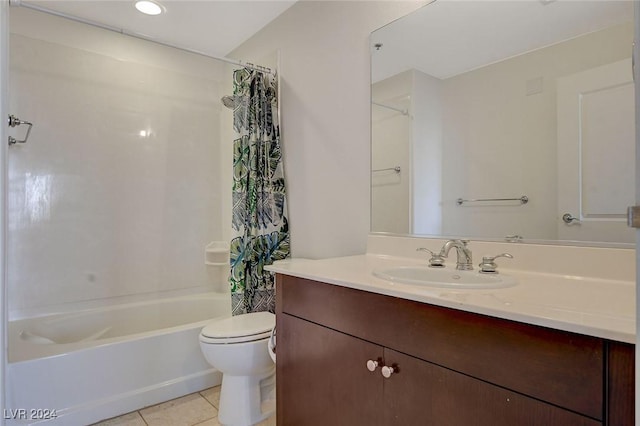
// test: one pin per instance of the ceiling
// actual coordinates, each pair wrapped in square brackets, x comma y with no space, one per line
[214,27]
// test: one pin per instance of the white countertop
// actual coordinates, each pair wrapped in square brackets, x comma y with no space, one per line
[597,307]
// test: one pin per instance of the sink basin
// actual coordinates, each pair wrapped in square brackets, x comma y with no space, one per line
[444,277]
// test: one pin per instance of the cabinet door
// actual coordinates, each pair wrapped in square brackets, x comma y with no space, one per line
[322,377]
[620,384]
[421,393]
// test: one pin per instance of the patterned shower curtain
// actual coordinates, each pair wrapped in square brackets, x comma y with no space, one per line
[260,229]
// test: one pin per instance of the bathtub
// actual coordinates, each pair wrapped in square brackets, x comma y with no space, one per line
[81,367]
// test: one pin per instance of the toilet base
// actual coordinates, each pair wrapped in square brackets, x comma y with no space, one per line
[247,400]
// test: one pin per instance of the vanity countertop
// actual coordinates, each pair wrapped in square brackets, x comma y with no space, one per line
[597,307]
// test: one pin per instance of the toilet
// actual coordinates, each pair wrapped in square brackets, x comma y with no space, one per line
[237,347]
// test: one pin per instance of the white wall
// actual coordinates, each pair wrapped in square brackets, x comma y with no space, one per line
[324,65]
[426,156]
[390,147]
[95,209]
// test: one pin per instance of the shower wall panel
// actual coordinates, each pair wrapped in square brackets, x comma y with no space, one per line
[118,190]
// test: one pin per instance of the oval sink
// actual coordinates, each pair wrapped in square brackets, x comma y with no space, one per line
[444,277]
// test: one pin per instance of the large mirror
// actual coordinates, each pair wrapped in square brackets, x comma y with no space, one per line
[507,120]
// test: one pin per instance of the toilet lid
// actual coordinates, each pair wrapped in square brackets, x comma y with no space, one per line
[244,327]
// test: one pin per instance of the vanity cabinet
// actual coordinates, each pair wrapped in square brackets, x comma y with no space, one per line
[450,367]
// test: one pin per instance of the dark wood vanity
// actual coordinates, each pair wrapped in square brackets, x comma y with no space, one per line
[450,367]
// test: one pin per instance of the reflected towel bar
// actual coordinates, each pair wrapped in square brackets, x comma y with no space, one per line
[523,200]
[395,169]
[401,111]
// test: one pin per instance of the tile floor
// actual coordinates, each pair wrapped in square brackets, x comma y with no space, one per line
[200,408]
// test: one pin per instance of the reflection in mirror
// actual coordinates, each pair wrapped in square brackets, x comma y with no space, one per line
[477,102]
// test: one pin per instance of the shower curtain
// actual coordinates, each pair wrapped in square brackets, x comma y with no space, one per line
[260,233]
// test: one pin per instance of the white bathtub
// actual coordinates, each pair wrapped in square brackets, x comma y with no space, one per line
[87,366]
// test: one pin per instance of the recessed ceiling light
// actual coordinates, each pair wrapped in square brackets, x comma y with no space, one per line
[149,7]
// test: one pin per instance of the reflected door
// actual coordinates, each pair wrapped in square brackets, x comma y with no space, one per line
[596,153]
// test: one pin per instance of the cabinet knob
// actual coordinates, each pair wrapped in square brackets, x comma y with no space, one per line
[372,365]
[387,371]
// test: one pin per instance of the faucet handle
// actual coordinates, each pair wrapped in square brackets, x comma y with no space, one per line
[436,260]
[489,265]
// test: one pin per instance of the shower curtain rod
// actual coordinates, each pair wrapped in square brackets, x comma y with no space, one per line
[137,35]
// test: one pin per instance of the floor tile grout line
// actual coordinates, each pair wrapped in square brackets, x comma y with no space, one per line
[142,417]
[211,402]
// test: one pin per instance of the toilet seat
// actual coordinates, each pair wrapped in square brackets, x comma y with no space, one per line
[239,329]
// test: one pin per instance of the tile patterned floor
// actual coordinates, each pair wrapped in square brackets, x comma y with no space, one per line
[200,408]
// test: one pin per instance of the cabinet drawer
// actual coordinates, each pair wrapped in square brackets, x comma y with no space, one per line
[561,368]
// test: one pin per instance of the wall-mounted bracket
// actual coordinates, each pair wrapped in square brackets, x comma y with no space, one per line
[15,121]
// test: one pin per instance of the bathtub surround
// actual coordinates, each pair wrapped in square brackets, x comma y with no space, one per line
[260,226]
[119,189]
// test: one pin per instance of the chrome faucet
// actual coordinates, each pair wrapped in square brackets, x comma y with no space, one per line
[464,262]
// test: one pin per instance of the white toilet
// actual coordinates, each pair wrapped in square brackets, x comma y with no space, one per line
[237,347]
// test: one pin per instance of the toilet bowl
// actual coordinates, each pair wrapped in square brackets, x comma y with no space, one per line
[237,347]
